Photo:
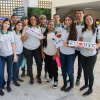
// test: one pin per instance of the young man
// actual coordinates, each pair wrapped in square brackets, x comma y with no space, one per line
[58,25]
[79,25]
[43,26]
[43,20]
[14,19]
[24,20]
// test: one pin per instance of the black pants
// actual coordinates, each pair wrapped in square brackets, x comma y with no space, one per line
[38,58]
[77,53]
[51,66]
[88,66]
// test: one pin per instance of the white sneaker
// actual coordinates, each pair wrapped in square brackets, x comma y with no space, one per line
[49,81]
[55,85]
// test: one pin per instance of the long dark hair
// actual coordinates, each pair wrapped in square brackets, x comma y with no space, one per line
[16,24]
[7,19]
[85,25]
[37,19]
[45,34]
[73,30]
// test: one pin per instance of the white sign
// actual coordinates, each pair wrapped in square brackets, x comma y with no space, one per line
[58,41]
[82,44]
[38,35]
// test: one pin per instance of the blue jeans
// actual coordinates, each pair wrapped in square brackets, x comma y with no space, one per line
[9,60]
[1,74]
[16,66]
[67,62]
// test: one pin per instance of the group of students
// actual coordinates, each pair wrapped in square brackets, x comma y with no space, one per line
[16,43]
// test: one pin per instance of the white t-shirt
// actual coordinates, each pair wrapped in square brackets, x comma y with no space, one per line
[5,44]
[63,49]
[51,47]
[43,29]
[18,43]
[12,26]
[88,36]
[59,28]
[79,30]
[31,41]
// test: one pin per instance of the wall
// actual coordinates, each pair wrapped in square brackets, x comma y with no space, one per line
[96,14]
[30,3]
[61,3]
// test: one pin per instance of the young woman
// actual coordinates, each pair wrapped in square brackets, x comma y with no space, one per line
[49,53]
[67,53]
[32,48]
[24,20]
[88,55]
[19,50]
[7,49]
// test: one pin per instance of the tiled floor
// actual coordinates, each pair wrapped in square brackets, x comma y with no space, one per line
[46,91]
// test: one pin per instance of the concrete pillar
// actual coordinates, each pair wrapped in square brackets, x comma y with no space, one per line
[30,3]
[53,10]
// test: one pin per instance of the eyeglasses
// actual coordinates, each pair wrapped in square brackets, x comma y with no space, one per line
[32,19]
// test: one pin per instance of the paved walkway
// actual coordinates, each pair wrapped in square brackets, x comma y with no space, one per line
[46,91]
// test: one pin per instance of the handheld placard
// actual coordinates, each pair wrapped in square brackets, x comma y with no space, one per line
[36,34]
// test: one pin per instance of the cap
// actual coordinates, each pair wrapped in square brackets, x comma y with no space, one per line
[24,17]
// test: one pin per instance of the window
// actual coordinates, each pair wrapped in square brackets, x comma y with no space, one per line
[45,4]
[7,7]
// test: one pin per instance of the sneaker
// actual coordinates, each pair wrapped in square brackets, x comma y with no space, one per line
[46,75]
[83,87]
[3,85]
[55,85]
[23,74]
[64,87]
[20,80]
[8,89]
[88,93]
[77,82]
[49,81]
[16,83]
[68,89]
[1,92]
[31,81]
[38,80]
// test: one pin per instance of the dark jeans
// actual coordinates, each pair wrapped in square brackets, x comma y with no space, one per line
[9,60]
[1,74]
[77,53]
[38,58]
[51,66]
[16,66]
[67,62]
[88,66]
